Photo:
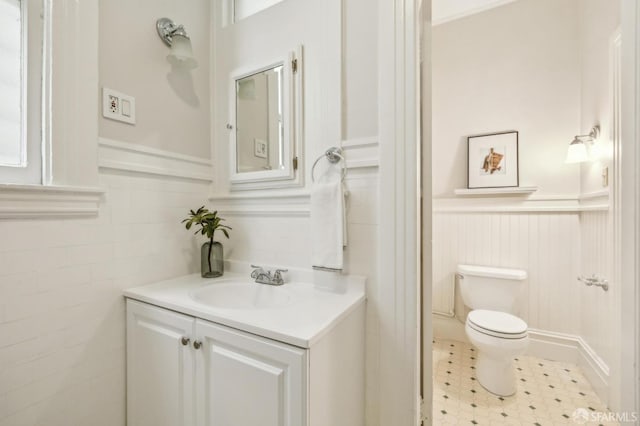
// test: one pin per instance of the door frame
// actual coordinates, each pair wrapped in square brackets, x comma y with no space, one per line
[630,208]
[630,211]
[399,24]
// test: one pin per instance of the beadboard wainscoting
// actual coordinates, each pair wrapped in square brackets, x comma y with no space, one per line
[546,245]
[555,239]
[599,308]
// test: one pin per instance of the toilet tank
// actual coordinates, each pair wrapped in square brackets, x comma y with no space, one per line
[486,287]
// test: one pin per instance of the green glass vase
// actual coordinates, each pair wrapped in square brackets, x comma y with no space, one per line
[211,260]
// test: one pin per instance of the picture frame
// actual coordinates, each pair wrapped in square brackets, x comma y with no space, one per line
[260,148]
[493,160]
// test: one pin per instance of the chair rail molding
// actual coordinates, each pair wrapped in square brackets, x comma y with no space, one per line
[362,153]
[263,203]
[540,203]
[48,201]
[135,158]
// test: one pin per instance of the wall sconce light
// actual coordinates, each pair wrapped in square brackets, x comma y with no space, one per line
[176,37]
[577,152]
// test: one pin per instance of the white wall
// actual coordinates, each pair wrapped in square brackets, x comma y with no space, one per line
[276,231]
[61,309]
[600,20]
[269,37]
[514,67]
[172,105]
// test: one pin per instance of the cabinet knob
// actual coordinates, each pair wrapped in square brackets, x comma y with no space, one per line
[185,341]
[197,344]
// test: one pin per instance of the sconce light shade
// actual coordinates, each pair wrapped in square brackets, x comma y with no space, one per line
[181,53]
[176,37]
[577,152]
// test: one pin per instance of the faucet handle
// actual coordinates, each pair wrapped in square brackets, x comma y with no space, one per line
[277,275]
[257,270]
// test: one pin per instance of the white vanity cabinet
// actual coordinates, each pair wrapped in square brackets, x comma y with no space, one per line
[160,367]
[186,371]
[248,380]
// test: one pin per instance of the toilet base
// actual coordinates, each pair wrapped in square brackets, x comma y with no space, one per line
[496,375]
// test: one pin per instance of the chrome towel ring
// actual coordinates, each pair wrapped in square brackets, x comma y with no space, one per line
[333,155]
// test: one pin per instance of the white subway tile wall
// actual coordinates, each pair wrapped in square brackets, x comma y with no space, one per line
[285,241]
[62,345]
[61,311]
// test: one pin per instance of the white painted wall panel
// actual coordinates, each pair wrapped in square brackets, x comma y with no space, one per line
[597,319]
[545,245]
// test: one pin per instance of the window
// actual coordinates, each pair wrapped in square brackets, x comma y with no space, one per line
[20,86]
[245,8]
[48,109]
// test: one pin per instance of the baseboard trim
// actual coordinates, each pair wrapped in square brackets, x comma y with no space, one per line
[571,348]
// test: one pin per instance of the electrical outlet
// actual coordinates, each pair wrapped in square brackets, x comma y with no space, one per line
[114,104]
[118,106]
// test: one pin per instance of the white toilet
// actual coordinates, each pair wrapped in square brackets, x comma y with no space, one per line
[499,336]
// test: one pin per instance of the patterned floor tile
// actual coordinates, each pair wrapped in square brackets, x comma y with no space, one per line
[549,393]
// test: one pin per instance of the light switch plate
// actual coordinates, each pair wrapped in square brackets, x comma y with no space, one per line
[118,106]
[605,177]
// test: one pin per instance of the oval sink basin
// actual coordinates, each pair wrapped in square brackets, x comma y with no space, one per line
[242,296]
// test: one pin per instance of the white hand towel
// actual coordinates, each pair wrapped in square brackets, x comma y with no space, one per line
[328,222]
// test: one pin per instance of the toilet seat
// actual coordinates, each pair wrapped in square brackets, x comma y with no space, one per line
[497,324]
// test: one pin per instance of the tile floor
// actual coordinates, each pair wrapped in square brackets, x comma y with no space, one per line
[549,393]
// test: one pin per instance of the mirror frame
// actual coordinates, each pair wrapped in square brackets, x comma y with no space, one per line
[292,127]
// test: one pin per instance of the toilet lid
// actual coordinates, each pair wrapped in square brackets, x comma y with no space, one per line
[497,323]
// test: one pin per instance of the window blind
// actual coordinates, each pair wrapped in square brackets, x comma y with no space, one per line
[12,149]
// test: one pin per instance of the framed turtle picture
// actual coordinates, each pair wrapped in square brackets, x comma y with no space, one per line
[492,160]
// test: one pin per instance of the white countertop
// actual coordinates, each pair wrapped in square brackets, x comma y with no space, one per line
[313,312]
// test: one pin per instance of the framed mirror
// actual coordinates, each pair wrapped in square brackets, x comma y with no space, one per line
[265,124]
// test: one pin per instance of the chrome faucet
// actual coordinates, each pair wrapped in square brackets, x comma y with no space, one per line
[266,277]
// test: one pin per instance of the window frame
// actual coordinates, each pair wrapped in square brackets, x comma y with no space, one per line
[68,125]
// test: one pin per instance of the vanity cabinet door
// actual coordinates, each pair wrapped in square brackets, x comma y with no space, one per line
[245,380]
[160,367]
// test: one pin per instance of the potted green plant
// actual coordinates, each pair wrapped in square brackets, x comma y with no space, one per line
[211,253]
